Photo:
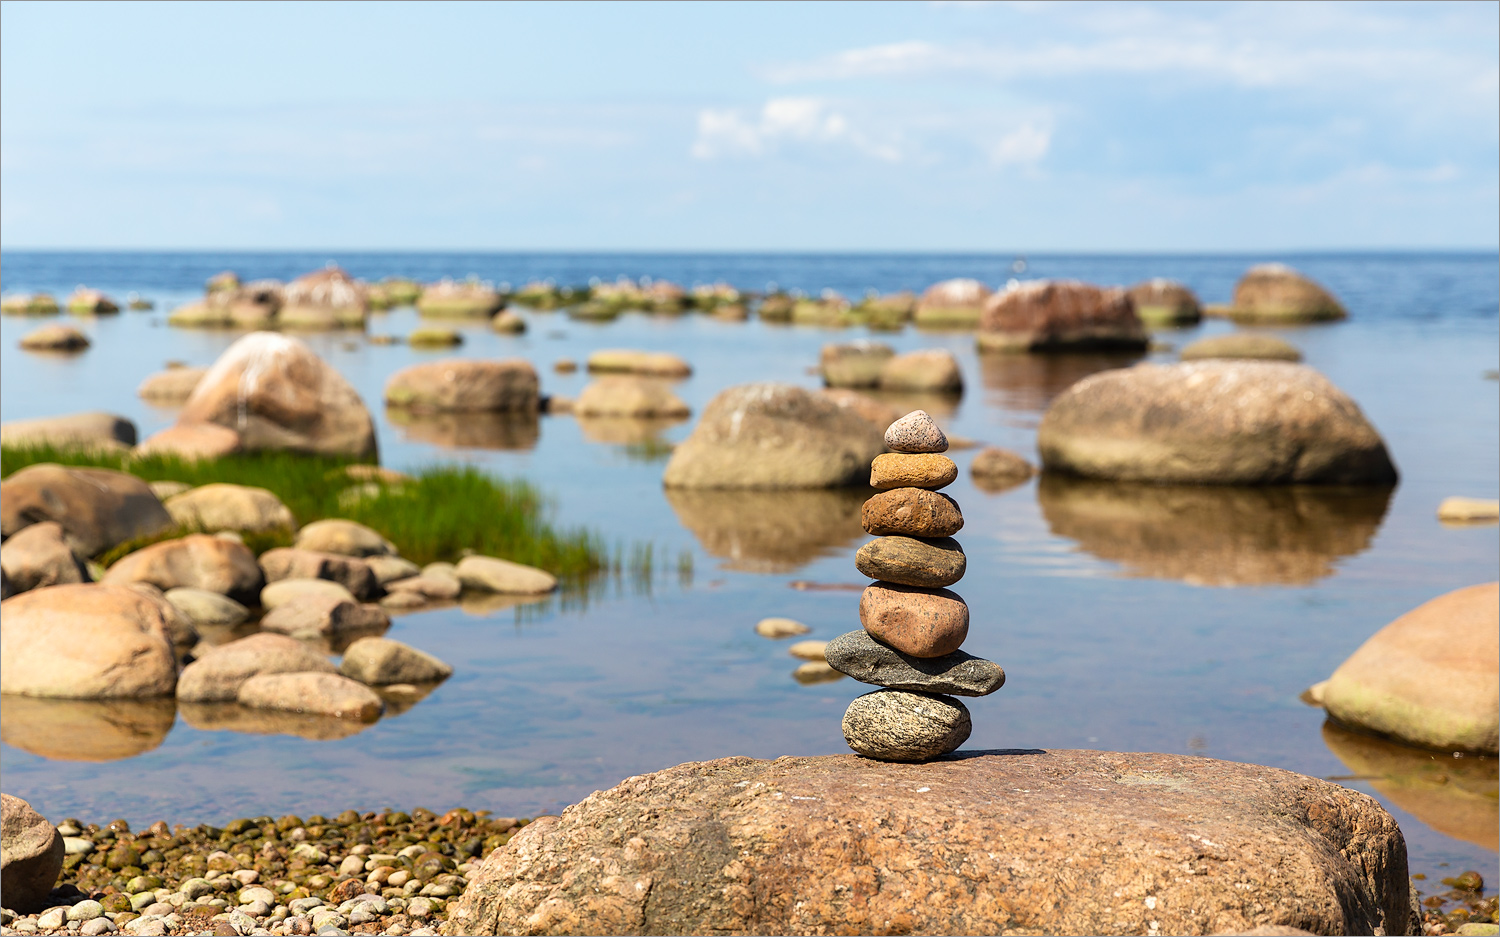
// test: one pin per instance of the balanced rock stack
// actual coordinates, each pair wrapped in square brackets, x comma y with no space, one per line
[913,626]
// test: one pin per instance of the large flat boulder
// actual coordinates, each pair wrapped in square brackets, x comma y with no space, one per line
[94,430]
[458,299]
[39,556]
[1429,678]
[462,385]
[31,856]
[775,436]
[1031,842]
[197,561]
[276,393]
[1060,315]
[85,642]
[97,508]
[1213,422]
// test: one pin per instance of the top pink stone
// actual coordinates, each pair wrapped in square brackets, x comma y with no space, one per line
[915,432]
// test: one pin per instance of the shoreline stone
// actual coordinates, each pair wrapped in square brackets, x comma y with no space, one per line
[860,656]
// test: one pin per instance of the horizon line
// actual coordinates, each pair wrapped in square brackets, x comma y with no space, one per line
[993,252]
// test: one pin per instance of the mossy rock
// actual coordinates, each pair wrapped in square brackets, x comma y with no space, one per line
[948,317]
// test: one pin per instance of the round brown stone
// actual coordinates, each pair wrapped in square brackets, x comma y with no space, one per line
[912,512]
[915,621]
[912,562]
[912,470]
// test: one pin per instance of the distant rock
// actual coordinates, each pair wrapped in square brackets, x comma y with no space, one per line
[218,675]
[1060,315]
[325,616]
[933,370]
[336,535]
[29,304]
[888,312]
[1242,345]
[172,387]
[350,572]
[203,607]
[460,385]
[55,338]
[393,291]
[774,436]
[324,694]
[221,506]
[1277,293]
[97,508]
[777,628]
[854,364]
[286,591]
[222,282]
[277,394]
[488,574]
[85,642]
[95,430]
[459,299]
[1429,678]
[39,556]
[193,442]
[197,561]
[31,859]
[995,469]
[1213,422]
[839,843]
[1165,302]
[381,661]
[952,304]
[508,323]
[629,361]
[432,337]
[324,299]
[1469,510]
[87,302]
[626,396]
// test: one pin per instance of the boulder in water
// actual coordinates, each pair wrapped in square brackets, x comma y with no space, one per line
[1060,315]
[1242,345]
[1165,302]
[86,642]
[172,387]
[460,385]
[625,396]
[324,299]
[55,338]
[955,303]
[1277,293]
[459,299]
[854,364]
[934,370]
[97,508]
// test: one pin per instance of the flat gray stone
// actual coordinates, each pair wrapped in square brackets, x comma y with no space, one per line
[898,725]
[860,656]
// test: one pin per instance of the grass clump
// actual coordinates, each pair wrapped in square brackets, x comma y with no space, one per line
[438,514]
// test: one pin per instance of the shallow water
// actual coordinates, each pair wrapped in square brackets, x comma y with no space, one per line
[1127,618]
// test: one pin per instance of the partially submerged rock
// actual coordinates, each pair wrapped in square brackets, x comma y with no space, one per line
[92,431]
[62,338]
[85,642]
[381,661]
[459,299]
[350,572]
[286,591]
[995,469]
[324,299]
[1277,293]
[218,675]
[1242,345]
[29,304]
[323,694]
[1469,510]
[1060,315]
[97,508]
[197,561]
[456,384]
[624,396]
[489,574]
[952,304]
[90,302]
[842,844]
[1165,302]
[935,370]
[854,364]
[630,361]
[172,387]
[326,616]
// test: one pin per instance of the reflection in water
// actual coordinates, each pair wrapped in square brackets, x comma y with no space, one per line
[484,604]
[468,430]
[214,717]
[770,531]
[905,401]
[1215,536]
[400,697]
[85,730]
[626,430]
[1455,796]
[1029,382]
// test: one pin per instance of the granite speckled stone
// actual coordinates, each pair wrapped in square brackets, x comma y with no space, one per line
[915,432]
[898,725]
[860,656]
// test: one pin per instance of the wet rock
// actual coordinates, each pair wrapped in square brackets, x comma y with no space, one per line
[97,508]
[432,337]
[777,628]
[276,393]
[916,432]
[347,538]
[380,661]
[31,858]
[565,366]
[459,385]
[994,468]
[649,363]
[86,730]
[39,556]
[774,436]
[54,338]
[815,671]
[955,303]
[1242,345]
[897,725]
[934,370]
[1429,678]
[854,364]
[959,674]
[324,299]
[770,531]
[489,574]
[218,675]
[326,616]
[319,694]
[95,431]
[424,587]
[621,396]
[172,387]
[197,561]
[1165,302]
[222,506]
[918,621]
[193,442]
[713,836]
[1468,511]
[29,304]
[350,572]
[808,650]
[912,512]
[203,607]
[459,299]
[389,569]
[911,562]
[912,470]
[1060,315]
[1213,422]
[89,302]
[1277,293]
[508,323]
[86,642]
[286,591]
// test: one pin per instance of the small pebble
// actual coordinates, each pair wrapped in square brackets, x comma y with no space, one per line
[780,628]
[808,650]
[916,432]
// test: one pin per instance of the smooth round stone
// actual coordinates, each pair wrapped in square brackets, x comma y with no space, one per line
[912,512]
[915,621]
[860,656]
[912,470]
[915,432]
[808,650]
[777,628]
[898,725]
[912,562]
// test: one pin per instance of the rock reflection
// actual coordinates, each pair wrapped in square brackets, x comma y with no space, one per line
[1213,536]
[1029,382]
[1455,796]
[85,730]
[401,697]
[477,430]
[770,531]
[232,717]
[626,430]
[485,604]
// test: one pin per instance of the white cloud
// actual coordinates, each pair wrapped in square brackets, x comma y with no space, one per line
[1024,146]
[782,121]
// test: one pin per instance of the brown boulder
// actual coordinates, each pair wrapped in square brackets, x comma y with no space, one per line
[1213,422]
[624,396]
[774,436]
[1277,293]
[97,508]
[278,394]
[222,506]
[172,387]
[85,642]
[1030,842]
[854,364]
[31,856]
[912,512]
[39,556]
[94,430]
[350,572]
[217,675]
[995,469]
[909,561]
[197,561]
[1060,315]
[912,470]
[324,299]
[322,694]
[326,616]
[54,338]
[921,622]
[192,442]
[952,304]
[459,299]
[629,361]
[461,385]
[1165,302]
[934,370]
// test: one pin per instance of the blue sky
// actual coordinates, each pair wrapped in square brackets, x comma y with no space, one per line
[1023,126]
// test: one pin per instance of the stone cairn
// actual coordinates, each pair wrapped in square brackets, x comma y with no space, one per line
[913,626]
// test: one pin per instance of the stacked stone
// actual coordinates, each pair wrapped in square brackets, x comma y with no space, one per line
[913,625]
